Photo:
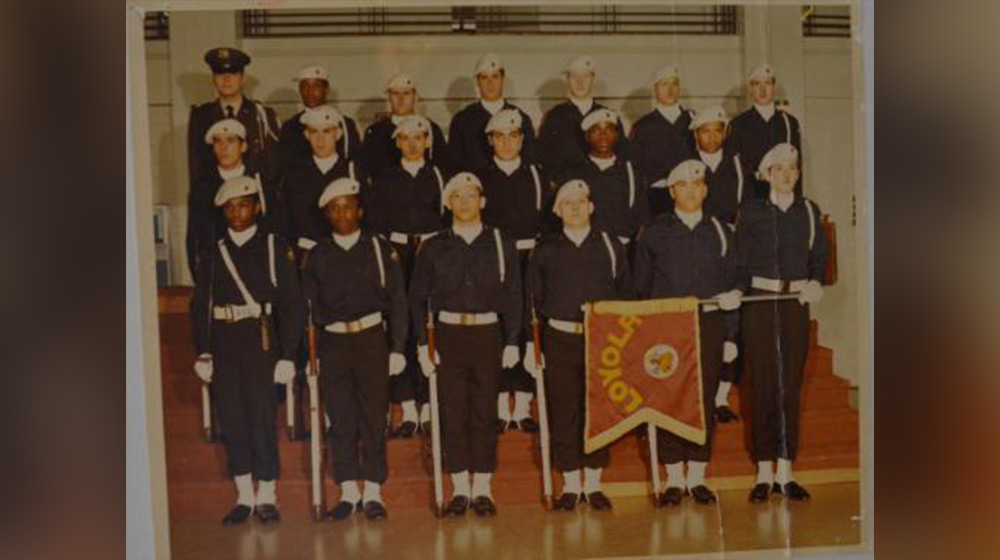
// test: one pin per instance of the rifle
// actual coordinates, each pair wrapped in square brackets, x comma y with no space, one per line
[435,420]
[316,434]
[543,416]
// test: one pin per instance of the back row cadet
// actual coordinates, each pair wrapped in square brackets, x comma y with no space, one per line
[576,265]
[248,316]
[355,283]
[468,278]
[469,147]
[781,248]
[689,252]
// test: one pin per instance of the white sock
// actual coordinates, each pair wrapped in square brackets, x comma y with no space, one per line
[409,411]
[481,484]
[675,475]
[522,405]
[244,489]
[571,482]
[765,472]
[349,491]
[425,413]
[696,473]
[503,406]
[784,472]
[460,483]
[373,492]
[592,480]
[722,395]
[265,492]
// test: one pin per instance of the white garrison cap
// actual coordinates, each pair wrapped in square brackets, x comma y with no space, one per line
[312,72]
[597,117]
[688,170]
[344,186]
[235,188]
[669,71]
[781,153]
[709,115]
[322,116]
[581,64]
[569,188]
[762,72]
[488,63]
[505,121]
[412,124]
[401,81]
[458,181]
[225,126]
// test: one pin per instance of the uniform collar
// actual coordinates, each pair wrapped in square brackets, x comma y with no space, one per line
[577,236]
[412,167]
[508,167]
[603,163]
[327,163]
[782,201]
[711,160]
[765,111]
[584,105]
[227,174]
[670,112]
[468,233]
[235,105]
[690,219]
[345,242]
[493,107]
[240,238]
[397,118]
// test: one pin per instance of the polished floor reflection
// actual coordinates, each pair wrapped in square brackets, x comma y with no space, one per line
[633,528]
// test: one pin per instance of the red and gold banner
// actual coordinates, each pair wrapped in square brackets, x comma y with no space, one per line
[643,365]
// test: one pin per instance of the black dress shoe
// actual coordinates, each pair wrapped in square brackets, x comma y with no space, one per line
[598,501]
[375,510]
[484,506]
[703,495]
[343,510]
[725,415]
[793,491]
[502,425]
[527,425]
[760,493]
[406,430]
[267,513]
[237,515]
[457,506]
[566,502]
[671,497]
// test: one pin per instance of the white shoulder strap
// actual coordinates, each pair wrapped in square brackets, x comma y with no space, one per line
[350,169]
[722,235]
[538,187]
[233,272]
[437,173]
[347,142]
[631,184]
[503,266]
[378,258]
[611,253]
[270,259]
[260,195]
[788,127]
[739,179]
[812,222]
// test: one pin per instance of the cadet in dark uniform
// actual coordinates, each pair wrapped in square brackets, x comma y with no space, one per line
[467,142]
[356,284]
[566,270]
[314,85]
[248,315]
[517,194]
[470,279]
[380,150]
[660,139]
[691,253]
[617,188]
[764,125]
[782,248]
[405,205]
[561,145]
[259,120]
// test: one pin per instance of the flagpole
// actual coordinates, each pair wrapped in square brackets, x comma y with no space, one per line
[755,298]
[654,461]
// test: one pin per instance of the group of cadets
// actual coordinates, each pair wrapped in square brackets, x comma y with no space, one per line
[476,234]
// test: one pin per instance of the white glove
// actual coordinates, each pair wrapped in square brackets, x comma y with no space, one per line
[729,352]
[529,360]
[811,293]
[203,368]
[730,300]
[511,355]
[426,365]
[397,363]
[284,371]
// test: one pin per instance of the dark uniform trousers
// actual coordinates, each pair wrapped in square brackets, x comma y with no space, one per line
[411,384]
[468,381]
[354,378]
[516,379]
[671,448]
[776,335]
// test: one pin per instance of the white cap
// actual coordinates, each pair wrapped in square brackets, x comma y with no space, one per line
[762,72]
[235,188]
[401,81]
[488,63]
[225,126]
[780,153]
[505,121]
[458,181]
[688,170]
[709,115]
[581,64]
[412,124]
[312,72]
[344,186]
[322,116]
[570,188]
[669,71]
[597,117]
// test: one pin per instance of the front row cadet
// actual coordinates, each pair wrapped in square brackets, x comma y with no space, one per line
[470,278]
[782,249]
[568,269]
[248,317]
[690,253]
[355,283]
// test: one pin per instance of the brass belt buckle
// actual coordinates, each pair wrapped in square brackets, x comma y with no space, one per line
[468,319]
[353,326]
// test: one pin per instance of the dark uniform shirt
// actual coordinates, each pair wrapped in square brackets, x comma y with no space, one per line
[752,137]
[515,203]
[262,128]
[729,186]
[400,202]
[467,142]
[562,144]
[380,151]
[621,204]
[466,278]
[214,286]
[775,244]
[304,183]
[659,145]
[294,146]
[345,285]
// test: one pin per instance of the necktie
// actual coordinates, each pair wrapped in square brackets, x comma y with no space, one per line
[229,111]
